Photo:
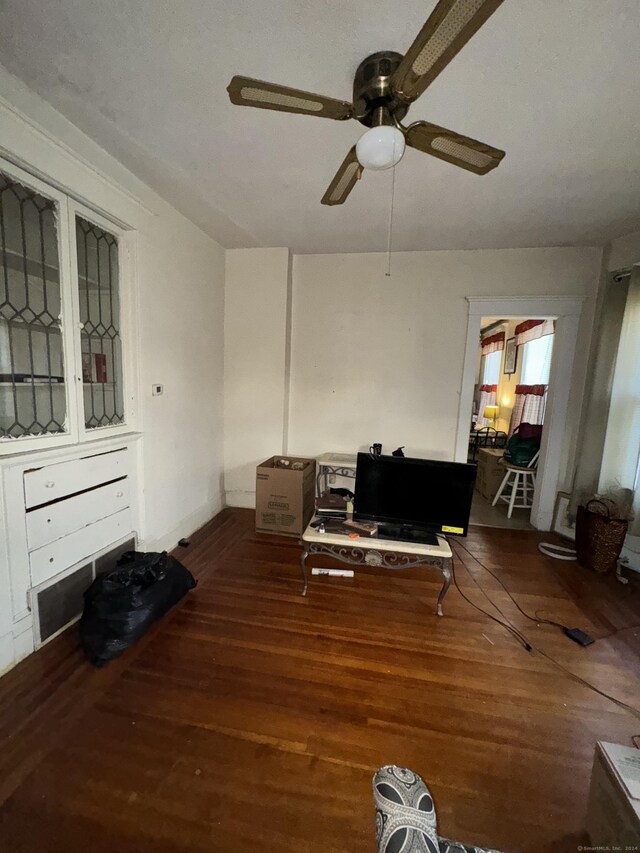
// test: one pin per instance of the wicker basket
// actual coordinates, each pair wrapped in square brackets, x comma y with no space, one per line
[599,538]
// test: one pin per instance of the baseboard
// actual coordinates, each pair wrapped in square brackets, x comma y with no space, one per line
[185,528]
[23,644]
[7,656]
[241,498]
[15,646]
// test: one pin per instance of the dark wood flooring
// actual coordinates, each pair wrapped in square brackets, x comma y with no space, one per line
[252,719]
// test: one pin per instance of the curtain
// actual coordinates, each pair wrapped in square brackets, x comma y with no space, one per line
[492,343]
[536,361]
[621,453]
[488,397]
[529,406]
[531,330]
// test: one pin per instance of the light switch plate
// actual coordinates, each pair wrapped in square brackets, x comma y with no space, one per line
[157,390]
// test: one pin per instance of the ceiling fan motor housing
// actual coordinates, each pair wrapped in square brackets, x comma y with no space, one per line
[372,90]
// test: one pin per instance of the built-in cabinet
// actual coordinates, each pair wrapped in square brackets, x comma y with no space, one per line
[67,318]
[64,513]
[69,496]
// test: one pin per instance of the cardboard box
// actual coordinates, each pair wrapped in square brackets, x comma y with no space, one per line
[490,472]
[613,816]
[285,498]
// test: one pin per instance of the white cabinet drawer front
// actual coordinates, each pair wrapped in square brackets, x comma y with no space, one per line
[51,522]
[66,478]
[59,555]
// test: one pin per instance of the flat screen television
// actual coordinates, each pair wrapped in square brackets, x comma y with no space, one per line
[413,499]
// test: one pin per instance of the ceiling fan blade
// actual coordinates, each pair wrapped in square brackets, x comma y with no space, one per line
[344,179]
[447,30]
[270,96]
[454,148]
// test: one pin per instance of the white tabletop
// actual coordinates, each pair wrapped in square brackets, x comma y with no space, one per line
[442,549]
[338,460]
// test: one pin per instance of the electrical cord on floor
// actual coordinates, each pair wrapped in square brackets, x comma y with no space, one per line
[492,602]
[529,646]
[580,680]
[619,631]
[514,631]
[603,637]
[494,575]
[538,619]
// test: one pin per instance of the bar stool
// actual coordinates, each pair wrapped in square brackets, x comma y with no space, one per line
[523,480]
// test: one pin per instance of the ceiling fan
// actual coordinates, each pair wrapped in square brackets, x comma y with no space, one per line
[384,87]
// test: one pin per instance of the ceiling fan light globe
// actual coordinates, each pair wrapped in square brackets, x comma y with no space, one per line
[380,148]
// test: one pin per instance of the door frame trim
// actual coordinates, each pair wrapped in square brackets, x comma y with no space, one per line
[567,312]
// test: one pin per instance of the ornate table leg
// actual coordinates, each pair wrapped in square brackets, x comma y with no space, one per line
[356,555]
[446,573]
[303,566]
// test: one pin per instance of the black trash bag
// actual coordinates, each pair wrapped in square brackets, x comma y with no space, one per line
[120,605]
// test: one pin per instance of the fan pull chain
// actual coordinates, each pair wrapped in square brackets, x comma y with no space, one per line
[393,190]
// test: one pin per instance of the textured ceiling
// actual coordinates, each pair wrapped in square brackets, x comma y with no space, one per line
[553,83]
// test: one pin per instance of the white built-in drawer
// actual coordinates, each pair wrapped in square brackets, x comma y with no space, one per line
[66,478]
[47,561]
[59,519]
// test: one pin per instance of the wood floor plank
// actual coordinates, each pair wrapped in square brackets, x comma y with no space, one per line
[252,719]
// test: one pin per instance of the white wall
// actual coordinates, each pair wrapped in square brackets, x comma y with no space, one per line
[181,316]
[380,359]
[180,274]
[256,365]
[624,252]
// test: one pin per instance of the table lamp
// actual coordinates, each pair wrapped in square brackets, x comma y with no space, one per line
[491,413]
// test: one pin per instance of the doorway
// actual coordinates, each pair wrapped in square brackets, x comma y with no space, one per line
[507,417]
[565,312]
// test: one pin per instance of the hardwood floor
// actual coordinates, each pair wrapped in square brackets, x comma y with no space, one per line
[486,515]
[252,719]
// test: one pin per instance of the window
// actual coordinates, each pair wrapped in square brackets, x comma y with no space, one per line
[62,363]
[491,368]
[536,361]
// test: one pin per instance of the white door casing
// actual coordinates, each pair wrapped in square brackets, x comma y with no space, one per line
[566,311]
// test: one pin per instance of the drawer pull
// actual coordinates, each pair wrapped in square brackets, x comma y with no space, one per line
[119,494]
[49,484]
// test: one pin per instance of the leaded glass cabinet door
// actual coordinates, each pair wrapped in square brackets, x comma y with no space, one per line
[34,393]
[98,253]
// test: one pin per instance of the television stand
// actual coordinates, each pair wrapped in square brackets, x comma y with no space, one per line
[406,533]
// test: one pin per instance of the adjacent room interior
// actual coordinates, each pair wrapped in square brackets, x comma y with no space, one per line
[509,398]
[319,440]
